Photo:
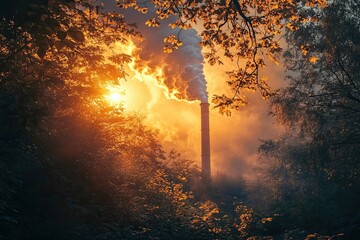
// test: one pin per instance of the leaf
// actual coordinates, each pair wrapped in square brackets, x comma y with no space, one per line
[313,59]
[61,35]
[69,43]
[70,3]
[41,52]
[59,45]
[152,23]
[121,58]
[76,35]
[54,24]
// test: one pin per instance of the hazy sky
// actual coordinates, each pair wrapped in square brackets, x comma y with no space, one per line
[234,140]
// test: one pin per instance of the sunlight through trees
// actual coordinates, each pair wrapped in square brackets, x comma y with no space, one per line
[76,165]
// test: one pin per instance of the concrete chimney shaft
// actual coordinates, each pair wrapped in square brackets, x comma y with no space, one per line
[205,141]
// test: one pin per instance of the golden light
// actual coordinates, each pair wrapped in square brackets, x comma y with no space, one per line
[115,96]
[178,122]
[147,94]
[152,77]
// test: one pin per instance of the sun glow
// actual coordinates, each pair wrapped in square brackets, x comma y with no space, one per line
[115,96]
[153,77]
[178,122]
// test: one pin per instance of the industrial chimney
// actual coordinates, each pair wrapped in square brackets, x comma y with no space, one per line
[205,142]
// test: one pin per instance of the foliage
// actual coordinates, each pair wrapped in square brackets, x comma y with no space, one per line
[52,55]
[315,169]
[246,32]
[323,97]
[74,166]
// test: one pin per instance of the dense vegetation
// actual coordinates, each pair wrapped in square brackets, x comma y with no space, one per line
[74,167]
[315,166]
[246,32]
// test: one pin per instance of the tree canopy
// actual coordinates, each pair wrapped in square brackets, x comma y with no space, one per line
[246,32]
[315,164]
[76,166]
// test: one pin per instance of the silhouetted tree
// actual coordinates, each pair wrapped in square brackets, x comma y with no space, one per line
[246,32]
[316,168]
[72,165]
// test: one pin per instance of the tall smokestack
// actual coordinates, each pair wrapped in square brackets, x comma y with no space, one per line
[205,141]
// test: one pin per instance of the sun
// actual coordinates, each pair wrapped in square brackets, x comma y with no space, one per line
[115,96]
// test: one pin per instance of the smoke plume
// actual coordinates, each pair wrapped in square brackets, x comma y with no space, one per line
[235,139]
[183,68]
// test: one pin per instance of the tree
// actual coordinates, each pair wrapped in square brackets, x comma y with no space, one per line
[48,51]
[246,32]
[320,107]
[45,49]
[323,95]
[75,166]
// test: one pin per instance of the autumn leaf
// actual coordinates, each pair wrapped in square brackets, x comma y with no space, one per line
[152,23]
[61,35]
[41,52]
[313,59]
[59,45]
[76,35]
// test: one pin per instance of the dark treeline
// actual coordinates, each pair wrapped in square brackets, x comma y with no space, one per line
[74,167]
[315,166]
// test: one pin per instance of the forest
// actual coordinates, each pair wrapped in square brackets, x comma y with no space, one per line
[74,164]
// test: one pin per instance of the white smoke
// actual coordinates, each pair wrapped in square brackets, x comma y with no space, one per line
[183,68]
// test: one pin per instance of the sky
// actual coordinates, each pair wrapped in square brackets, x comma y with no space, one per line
[234,140]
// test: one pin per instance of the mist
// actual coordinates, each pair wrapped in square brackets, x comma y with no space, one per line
[235,139]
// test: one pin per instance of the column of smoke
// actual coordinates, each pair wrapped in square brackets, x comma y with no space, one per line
[182,69]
